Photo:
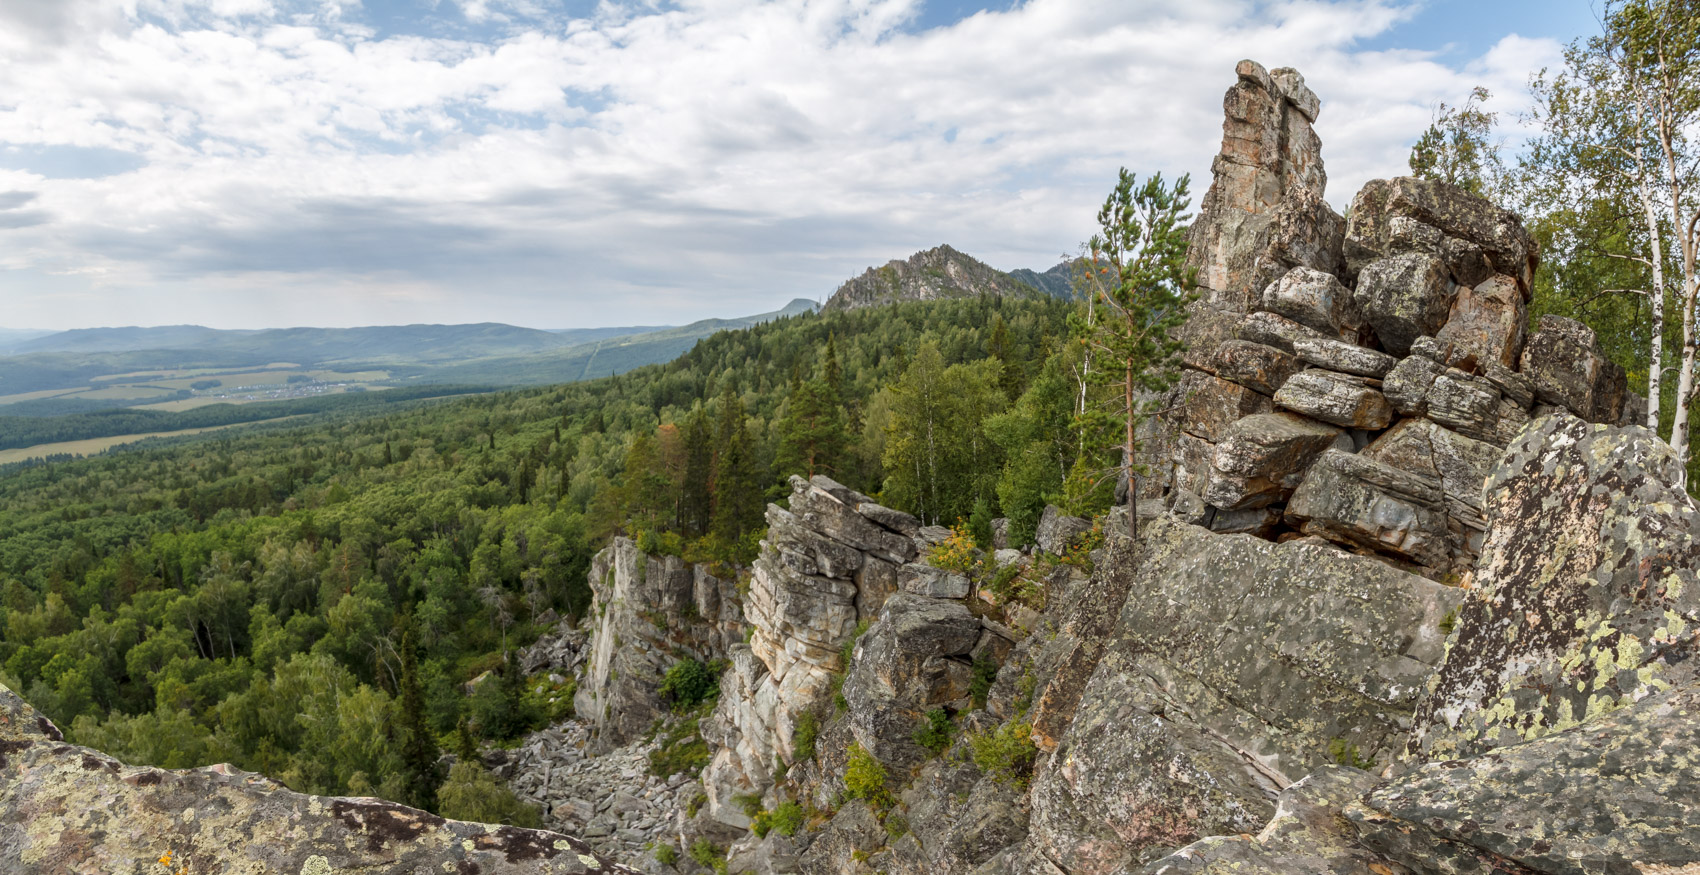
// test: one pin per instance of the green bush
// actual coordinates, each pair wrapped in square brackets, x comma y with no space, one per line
[980,524]
[667,855]
[471,793]
[682,750]
[934,731]
[1006,753]
[864,778]
[1346,753]
[707,853]
[689,683]
[956,553]
[848,649]
[896,826]
[803,737]
[787,818]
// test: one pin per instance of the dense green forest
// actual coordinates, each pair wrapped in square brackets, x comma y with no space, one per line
[28,430]
[310,602]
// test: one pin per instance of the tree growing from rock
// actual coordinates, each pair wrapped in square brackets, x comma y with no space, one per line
[1139,287]
[1458,148]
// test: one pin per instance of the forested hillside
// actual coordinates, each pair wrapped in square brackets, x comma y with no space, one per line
[182,604]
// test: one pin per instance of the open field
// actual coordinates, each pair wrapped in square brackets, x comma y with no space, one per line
[39,394]
[153,376]
[245,398]
[92,446]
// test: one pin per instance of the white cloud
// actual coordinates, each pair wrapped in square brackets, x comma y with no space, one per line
[707,158]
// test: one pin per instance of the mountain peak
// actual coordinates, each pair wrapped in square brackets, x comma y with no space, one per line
[931,274]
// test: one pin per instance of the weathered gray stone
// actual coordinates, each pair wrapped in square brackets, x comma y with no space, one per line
[1585,598]
[1308,835]
[1058,530]
[1459,464]
[1498,234]
[1270,329]
[1257,367]
[1264,213]
[1291,85]
[1468,405]
[1408,384]
[1357,500]
[1259,521]
[69,810]
[1485,327]
[1619,793]
[1167,746]
[912,660]
[1209,405]
[1346,358]
[1338,399]
[1467,262]
[1205,329]
[925,580]
[1404,297]
[1566,368]
[1314,299]
[1514,387]
[832,516]
[1262,458]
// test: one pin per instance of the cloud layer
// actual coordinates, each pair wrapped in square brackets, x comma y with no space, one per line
[245,163]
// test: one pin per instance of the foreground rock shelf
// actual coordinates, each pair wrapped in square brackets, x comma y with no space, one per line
[66,809]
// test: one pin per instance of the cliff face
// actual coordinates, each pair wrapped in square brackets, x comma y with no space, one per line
[67,809]
[941,272]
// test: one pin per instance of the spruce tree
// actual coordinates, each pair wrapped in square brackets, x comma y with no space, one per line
[420,777]
[737,497]
[696,502]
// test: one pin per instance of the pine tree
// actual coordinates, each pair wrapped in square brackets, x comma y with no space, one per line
[1140,293]
[737,497]
[420,777]
[696,499]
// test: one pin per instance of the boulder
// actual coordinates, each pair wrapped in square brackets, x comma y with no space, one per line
[1346,358]
[1259,521]
[1485,327]
[1169,743]
[1408,384]
[1585,598]
[1058,530]
[69,810]
[1565,367]
[1404,297]
[1205,329]
[1338,399]
[910,661]
[1353,499]
[1314,299]
[836,516]
[1271,329]
[1497,235]
[1619,793]
[1459,464]
[937,583]
[1262,458]
[1255,366]
[1308,835]
[1209,405]
[1468,405]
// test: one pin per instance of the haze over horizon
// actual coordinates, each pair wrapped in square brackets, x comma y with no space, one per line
[569,163]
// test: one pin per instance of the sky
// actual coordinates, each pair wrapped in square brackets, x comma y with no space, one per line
[576,163]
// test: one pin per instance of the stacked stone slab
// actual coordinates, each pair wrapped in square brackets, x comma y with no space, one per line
[828,562]
[1356,380]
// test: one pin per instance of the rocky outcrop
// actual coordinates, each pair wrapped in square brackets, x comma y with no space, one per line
[648,612]
[913,660]
[1585,599]
[831,560]
[71,810]
[1235,667]
[941,272]
[1415,309]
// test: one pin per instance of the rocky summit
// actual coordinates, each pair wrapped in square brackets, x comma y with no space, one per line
[1412,595]
[940,272]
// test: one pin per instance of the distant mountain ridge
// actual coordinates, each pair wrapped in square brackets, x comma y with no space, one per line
[943,272]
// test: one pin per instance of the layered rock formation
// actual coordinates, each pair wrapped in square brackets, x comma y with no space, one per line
[940,272]
[1355,380]
[829,561]
[647,613]
[68,810]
